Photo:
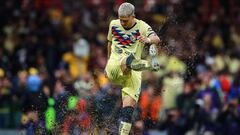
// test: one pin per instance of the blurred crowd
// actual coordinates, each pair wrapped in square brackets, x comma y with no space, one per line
[53,54]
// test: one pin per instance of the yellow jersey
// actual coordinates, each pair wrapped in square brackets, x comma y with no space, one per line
[124,41]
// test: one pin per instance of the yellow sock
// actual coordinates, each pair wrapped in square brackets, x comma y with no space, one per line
[124,128]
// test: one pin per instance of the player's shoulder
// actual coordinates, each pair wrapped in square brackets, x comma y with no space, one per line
[141,22]
[114,22]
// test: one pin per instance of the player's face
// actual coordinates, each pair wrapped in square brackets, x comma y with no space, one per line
[126,22]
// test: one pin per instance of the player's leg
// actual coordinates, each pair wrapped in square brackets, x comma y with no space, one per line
[126,115]
[130,95]
[131,62]
[114,72]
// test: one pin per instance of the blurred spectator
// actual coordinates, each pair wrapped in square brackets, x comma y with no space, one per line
[172,85]
[208,91]
[150,106]
[185,100]
[61,97]
[234,92]
[173,123]
[32,101]
[78,121]
[5,102]
[228,119]
[84,85]
[32,124]
[81,50]
[18,98]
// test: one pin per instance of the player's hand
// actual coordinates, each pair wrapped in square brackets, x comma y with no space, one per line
[144,40]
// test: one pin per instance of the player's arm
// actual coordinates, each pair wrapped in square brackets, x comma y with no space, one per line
[109,38]
[109,49]
[149,36]
[153,39]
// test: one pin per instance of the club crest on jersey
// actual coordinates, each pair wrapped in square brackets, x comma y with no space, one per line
[124,40]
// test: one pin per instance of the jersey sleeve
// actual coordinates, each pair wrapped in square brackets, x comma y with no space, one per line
[147,30]
[109,37]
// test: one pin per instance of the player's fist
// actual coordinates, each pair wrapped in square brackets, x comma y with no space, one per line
[144,40]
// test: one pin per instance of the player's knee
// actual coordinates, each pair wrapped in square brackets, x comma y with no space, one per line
[128,101]
[124,66]
[126,114]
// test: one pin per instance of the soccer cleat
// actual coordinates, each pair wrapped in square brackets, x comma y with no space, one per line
[129,60]
[154,60]
[136,64]
[152,50]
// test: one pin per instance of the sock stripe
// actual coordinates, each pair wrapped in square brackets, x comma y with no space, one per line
[127,114]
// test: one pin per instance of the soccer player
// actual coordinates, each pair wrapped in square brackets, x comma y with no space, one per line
[127,37]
